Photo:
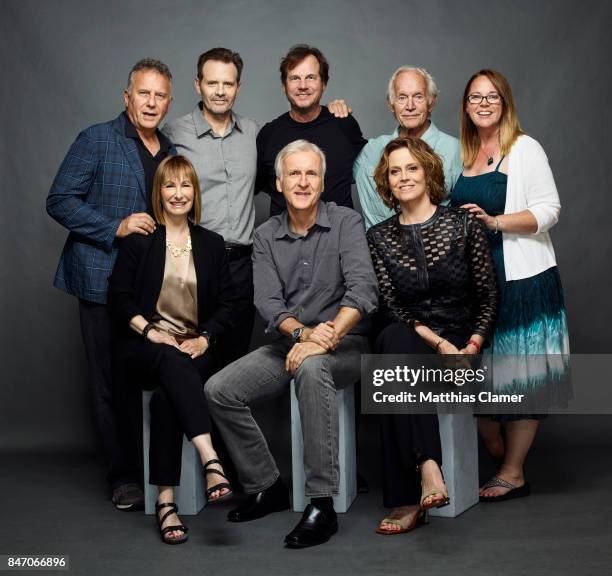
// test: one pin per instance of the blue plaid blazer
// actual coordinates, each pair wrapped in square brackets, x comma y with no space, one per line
[100,182]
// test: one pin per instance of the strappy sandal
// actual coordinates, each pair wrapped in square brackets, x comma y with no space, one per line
[440,502]
[218,486]
[164,531]
[513,491]
[420,518]
[439,498]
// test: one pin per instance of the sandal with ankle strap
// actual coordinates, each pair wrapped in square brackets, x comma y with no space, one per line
[218,486]
[164,531]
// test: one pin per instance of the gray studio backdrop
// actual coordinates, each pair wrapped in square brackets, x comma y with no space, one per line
[64,65]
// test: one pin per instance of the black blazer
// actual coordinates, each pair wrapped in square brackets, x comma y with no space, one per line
[137,277]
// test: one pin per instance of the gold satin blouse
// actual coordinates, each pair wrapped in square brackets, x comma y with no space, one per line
[177,304]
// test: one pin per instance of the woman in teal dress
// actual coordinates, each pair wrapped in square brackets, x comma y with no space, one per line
[507,183]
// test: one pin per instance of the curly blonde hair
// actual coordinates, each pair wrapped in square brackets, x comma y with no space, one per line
[425,156]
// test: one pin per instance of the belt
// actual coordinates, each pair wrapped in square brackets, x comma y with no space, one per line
[237,251]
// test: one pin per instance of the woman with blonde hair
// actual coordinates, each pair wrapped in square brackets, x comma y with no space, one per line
[508,185]
[172,296]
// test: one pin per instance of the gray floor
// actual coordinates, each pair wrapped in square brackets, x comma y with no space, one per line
[55,504]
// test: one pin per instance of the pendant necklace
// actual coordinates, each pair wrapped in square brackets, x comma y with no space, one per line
[488,156]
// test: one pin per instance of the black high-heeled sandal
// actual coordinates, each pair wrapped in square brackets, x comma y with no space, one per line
[218,486]
[163,531]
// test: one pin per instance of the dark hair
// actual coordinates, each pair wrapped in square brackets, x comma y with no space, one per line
[149,64]
[170,167]
[221,55]
[296,54]
[425,156]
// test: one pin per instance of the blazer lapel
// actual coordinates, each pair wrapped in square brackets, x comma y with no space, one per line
[131,154]
[157,257]
[201,262]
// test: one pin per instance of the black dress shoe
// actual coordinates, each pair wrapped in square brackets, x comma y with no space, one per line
[315,527]
[273,499]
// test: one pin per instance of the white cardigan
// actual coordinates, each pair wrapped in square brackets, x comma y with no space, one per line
[530,186]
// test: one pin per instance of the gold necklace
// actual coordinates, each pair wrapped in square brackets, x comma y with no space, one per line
[178,251]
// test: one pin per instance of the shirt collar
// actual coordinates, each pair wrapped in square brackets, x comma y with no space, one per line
[322,221]
[130,129]
[203,127]
[131,132]
[430,135]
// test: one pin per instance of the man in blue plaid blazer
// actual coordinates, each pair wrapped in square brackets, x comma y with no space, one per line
[100,194]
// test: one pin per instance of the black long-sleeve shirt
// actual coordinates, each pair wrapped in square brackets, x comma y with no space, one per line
[439,273]
[339,138]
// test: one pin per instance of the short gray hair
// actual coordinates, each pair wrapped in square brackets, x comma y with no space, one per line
[298,146]
[148,64]
[432,89]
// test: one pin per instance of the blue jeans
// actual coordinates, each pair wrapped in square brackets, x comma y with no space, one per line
[261,374]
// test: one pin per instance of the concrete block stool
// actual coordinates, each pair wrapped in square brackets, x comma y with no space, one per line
[190,495]
[459,437]
[347,457]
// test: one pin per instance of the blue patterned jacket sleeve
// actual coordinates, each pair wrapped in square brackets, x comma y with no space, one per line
[67,203]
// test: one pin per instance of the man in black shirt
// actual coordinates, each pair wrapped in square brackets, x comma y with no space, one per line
[304,76]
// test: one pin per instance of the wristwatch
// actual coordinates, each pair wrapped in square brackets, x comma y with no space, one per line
[297,334]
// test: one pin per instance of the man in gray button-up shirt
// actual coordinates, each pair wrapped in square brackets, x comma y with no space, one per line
[221,146]
[315,286]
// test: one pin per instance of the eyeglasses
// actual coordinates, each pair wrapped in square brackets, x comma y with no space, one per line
[492,98]
[416,99]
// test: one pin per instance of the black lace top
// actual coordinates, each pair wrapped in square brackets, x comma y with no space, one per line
[439,272]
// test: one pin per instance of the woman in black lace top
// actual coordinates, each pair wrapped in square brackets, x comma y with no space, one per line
[438,294]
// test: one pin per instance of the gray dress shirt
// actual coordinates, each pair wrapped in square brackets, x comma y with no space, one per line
[311,277]
[226,167]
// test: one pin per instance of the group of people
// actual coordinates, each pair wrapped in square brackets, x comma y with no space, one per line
[168,269]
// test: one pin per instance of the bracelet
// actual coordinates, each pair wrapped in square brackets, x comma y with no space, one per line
[496,226]
[145,332]
[438,344]
[209,337]
[475,344]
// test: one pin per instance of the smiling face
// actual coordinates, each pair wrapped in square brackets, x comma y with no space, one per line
[484,115]
[411,104]
[219,87]
[147,100]
[407,179]
[304,86]
[177,196]
[301,181]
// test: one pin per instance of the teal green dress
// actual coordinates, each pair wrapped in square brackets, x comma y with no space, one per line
[531,318]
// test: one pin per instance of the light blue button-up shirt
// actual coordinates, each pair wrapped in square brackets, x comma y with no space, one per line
[372,206]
